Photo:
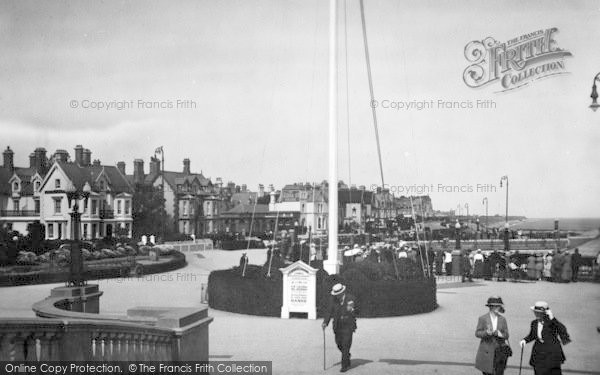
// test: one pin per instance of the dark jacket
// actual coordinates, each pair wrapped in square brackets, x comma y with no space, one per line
[548,354]
[343,320]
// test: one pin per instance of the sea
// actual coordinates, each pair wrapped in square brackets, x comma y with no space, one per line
[569,224]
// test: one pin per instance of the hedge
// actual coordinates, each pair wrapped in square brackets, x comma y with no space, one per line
[110,272]
[376,295]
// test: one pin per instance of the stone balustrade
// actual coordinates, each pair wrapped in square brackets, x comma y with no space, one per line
[64,331]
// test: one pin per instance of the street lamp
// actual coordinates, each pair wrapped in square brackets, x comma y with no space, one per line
[457,234]
[594,106]
[506,215]
[76,266]
[485,201]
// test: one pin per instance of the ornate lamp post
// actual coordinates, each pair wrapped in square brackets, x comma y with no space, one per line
[594,106]
[76,267]
[485,201]
[457,234]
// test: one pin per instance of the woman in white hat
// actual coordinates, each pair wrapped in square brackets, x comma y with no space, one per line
[492,329]
[547,355]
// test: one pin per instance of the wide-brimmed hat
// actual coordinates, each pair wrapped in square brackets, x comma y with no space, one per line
[540,306]
[494,301]
[338,289]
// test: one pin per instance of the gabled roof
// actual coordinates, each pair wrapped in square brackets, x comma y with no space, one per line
[117,182]
[177,178]
[77,174]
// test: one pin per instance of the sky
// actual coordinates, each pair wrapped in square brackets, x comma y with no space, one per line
[241,89]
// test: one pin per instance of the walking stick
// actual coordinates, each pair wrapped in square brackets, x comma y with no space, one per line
[323,348]
[521,362]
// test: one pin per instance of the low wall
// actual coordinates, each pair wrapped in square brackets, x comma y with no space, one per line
[118,268]
[186,246]
[144,334]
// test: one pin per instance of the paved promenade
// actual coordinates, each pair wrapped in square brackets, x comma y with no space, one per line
[440,342]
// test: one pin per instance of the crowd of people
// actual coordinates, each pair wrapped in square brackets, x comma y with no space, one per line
[556,266]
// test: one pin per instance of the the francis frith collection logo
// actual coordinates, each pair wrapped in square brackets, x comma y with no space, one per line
[514,63]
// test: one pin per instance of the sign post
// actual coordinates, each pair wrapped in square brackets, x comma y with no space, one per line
[299,290]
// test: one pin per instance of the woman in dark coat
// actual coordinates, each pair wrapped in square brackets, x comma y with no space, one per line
[492,329]
[547,355]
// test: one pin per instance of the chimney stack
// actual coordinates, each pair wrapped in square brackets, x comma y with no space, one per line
[97,163]
[87,157]
[186,166]
[32,160]
[138,171]
[261,190]
[154,166]
[9,159]
[40,159]
[79,155]
[59,155]
[121,167]
[244,188]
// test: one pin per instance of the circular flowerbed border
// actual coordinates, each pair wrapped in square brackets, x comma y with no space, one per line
[115,268]
[256,294]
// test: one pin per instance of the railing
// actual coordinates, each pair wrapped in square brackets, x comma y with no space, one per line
[525,244]
[19,213]
[186,246]
[107,214]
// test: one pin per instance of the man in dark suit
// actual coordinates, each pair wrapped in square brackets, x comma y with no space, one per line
[547,355]
[342,310]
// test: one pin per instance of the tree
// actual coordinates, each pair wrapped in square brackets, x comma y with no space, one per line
[148,211]
[35,236]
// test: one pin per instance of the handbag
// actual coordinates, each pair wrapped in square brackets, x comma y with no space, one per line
[503,349]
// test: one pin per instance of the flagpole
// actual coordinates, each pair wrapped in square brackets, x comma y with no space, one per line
[331,265]
[162,173]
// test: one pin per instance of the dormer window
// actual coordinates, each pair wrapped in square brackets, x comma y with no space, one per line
[38,184]
[15,186]
[57,183]
[101,185]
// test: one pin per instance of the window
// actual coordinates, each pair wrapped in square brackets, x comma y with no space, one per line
[94,207]
[319,223]
[127,207]
[57,183]
[319,208]
[85,230]
[59,231]
[50,230]
[354,211]
[101,184]
[302,208]
[57,205]
[15,186]
[94,230]
[38,184]
[16,204]
[36,204]
[119,207]
[185,208]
